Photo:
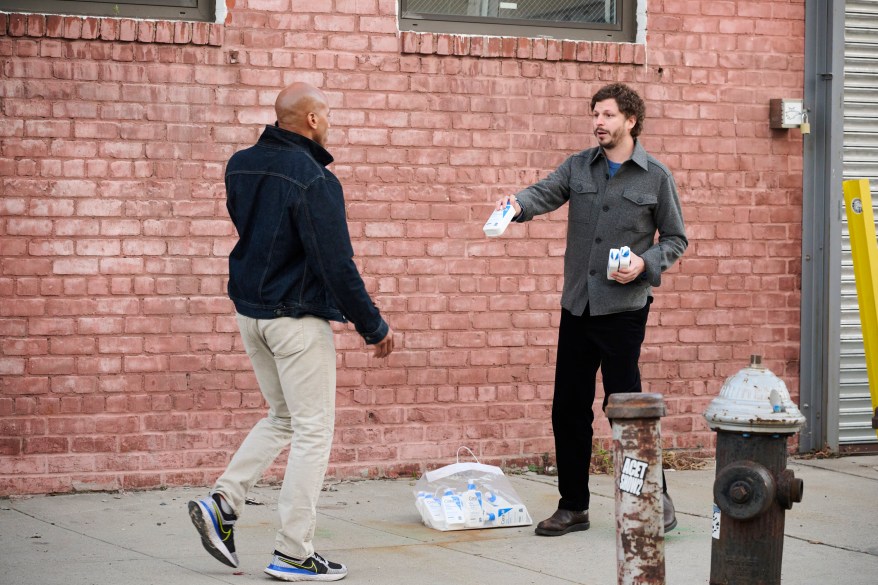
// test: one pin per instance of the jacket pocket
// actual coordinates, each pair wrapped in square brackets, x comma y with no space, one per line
[583,194]
[637,211]
[582,186]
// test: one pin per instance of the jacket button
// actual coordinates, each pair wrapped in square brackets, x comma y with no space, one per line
[592,272]
[606,207]
[597,240]
[640,199]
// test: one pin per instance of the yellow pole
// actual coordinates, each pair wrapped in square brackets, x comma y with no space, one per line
[864,249]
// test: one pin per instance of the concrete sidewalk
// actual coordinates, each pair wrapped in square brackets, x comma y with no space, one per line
[373,527]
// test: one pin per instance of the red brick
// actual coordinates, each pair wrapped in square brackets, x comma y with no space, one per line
[36,25]
[17,25]
[45,445]
[182,32]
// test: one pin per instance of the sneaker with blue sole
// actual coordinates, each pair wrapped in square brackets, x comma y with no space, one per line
[314,568]
[216,528]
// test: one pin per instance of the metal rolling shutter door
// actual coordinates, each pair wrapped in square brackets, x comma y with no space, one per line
[860,162]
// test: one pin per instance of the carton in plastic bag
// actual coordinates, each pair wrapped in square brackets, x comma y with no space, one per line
[468,495]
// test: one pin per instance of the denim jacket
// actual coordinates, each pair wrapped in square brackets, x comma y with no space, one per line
[294,255]
[625,210]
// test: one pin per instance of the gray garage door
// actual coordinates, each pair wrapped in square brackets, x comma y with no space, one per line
[860,162]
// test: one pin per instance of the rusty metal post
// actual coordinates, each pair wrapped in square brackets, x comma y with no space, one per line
[753,417]
[637,459]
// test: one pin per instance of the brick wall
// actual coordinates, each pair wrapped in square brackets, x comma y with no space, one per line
[120,361]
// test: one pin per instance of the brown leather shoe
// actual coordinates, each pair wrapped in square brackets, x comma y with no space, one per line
[670,514]
[562,522]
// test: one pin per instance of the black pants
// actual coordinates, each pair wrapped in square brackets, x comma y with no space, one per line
[611,343]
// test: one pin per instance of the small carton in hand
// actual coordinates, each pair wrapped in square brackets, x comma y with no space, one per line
[498,221]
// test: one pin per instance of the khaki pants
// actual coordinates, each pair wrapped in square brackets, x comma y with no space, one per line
[294,362]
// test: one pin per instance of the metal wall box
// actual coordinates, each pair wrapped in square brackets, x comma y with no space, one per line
[786,113]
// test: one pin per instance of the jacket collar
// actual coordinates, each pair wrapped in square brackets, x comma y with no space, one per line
[279,138]
[639,156]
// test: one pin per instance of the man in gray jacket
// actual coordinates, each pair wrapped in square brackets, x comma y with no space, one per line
[618,196]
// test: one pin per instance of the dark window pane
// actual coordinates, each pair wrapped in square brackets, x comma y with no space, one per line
[603,11]
[200,10]
[603,20]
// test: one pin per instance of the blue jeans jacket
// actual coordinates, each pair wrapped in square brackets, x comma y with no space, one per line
[294,255]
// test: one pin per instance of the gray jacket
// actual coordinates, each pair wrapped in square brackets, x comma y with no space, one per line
[604,213]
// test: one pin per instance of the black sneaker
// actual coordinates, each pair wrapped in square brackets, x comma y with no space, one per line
[216,528]
[314,568]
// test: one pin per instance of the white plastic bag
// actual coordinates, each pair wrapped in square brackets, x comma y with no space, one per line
[468,495]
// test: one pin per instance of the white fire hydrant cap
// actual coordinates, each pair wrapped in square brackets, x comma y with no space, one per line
[754,400]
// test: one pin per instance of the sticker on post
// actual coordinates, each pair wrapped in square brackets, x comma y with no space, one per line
[633,473]
[714,532]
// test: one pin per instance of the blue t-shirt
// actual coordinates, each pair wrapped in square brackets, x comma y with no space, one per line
[613,167]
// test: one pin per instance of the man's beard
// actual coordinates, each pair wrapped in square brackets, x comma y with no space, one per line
[610,140]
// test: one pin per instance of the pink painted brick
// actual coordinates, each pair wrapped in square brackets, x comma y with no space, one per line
[478,46]
[17,25]
[509,47]
[200,33]
[36,25]
[461,45]
[333,23]
[524,48]
[583,51]
[164,32]
[127,29]
[444,44]
[380,24]
[91,28]
[427,43]
[409,42]
[540,49]
[109,29]
[54,26]
[494,47]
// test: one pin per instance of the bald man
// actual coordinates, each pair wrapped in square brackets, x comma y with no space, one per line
[290,274]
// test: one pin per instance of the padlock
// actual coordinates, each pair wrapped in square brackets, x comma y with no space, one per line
[805,126]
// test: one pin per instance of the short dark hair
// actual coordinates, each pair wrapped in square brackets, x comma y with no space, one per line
[630,103]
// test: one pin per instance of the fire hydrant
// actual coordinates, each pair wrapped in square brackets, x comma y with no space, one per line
[753,417]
